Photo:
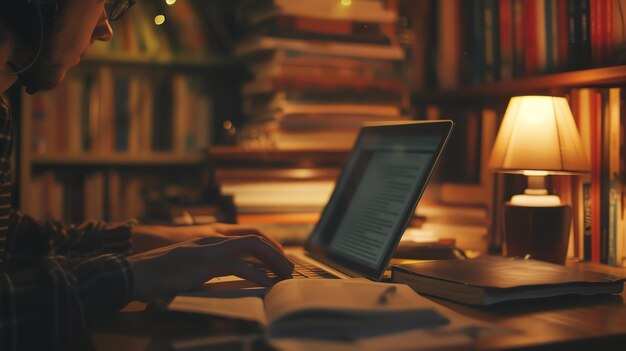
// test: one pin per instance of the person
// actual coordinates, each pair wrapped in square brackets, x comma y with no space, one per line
[56,279]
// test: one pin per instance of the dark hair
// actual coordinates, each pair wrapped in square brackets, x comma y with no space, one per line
[19,19]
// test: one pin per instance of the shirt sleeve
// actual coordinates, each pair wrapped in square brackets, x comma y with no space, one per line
[48,301]
[89,239]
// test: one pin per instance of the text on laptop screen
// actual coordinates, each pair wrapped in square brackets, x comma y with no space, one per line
[374,197]
[376,208]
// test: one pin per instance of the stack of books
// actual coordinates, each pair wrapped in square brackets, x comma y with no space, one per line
[320,70]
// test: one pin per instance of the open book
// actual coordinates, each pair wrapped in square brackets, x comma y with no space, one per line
[324,308]
[494,279]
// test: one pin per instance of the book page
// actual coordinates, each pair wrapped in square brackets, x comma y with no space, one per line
[247,308]
[325,307]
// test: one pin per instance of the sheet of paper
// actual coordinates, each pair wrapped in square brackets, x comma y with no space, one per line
[247,308]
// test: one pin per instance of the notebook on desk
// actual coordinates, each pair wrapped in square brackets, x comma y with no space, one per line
[372,203]
[494,279]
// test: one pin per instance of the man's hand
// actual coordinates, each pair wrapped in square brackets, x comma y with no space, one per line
[162,273]
[152,237]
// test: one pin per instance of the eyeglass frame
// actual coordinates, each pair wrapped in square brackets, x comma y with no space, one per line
[116,10]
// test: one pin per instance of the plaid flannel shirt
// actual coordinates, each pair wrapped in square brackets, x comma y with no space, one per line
[54,279]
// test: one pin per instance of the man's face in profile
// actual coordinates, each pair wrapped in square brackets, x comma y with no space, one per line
[79,24]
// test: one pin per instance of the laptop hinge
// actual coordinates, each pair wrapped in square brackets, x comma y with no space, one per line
[334,265]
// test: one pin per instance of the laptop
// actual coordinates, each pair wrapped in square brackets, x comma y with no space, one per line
[372,202]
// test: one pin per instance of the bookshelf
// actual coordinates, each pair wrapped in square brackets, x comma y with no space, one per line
[471,57]
[126,134]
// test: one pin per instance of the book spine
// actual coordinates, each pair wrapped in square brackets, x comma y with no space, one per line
[505,18]
[613,173]
[531,44]
[542,32]
[573,34]
[605,179]
[585,34]
[448,44]
[562,36]
[490,15]
[587,222]
[519,63]
[121,116]
[621,224]
[596,177]
[608,31]
[478,52]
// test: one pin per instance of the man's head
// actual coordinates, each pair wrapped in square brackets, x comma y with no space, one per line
[49,36]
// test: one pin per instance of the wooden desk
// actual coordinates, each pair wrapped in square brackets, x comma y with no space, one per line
[569,323]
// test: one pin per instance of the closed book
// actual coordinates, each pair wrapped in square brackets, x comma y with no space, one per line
[259,44]
[494,279]
[310,28]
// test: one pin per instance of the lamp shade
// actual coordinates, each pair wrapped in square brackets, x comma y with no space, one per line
[538,133]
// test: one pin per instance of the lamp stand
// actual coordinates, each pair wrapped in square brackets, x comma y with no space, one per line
[537,224]
[541,232]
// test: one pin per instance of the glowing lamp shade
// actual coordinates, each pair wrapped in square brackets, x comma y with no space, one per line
[538,136]
[538,133]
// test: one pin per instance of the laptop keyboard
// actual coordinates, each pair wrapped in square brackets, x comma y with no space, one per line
[301,270]
[304,269]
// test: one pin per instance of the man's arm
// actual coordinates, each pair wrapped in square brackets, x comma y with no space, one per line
[47,302]
[89,239]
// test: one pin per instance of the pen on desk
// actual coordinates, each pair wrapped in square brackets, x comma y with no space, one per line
[384,296]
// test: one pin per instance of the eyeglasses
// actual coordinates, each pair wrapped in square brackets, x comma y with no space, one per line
[116,9]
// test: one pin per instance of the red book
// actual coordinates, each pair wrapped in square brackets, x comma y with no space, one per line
[595,30]
[608,31]
[531,46]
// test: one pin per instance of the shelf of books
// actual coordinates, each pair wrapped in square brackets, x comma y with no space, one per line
[469,57]
[469,43]
[128,129]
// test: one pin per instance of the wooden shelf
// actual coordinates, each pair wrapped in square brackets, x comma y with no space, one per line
[188,61]
[545,84]
[250,157]
[246,175]
[148,159]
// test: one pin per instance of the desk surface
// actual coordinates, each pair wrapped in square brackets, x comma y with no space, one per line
[565,323]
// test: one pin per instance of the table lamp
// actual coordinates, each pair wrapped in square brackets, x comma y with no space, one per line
[538,137]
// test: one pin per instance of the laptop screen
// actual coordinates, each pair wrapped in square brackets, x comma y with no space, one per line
[376,195]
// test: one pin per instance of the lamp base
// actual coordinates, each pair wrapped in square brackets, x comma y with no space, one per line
[541,232]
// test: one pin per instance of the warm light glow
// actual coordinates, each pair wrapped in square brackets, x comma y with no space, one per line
[170,2]
[159,20]
[538,133]
[227,124]
[346,2]
[535,173]
[536,200]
